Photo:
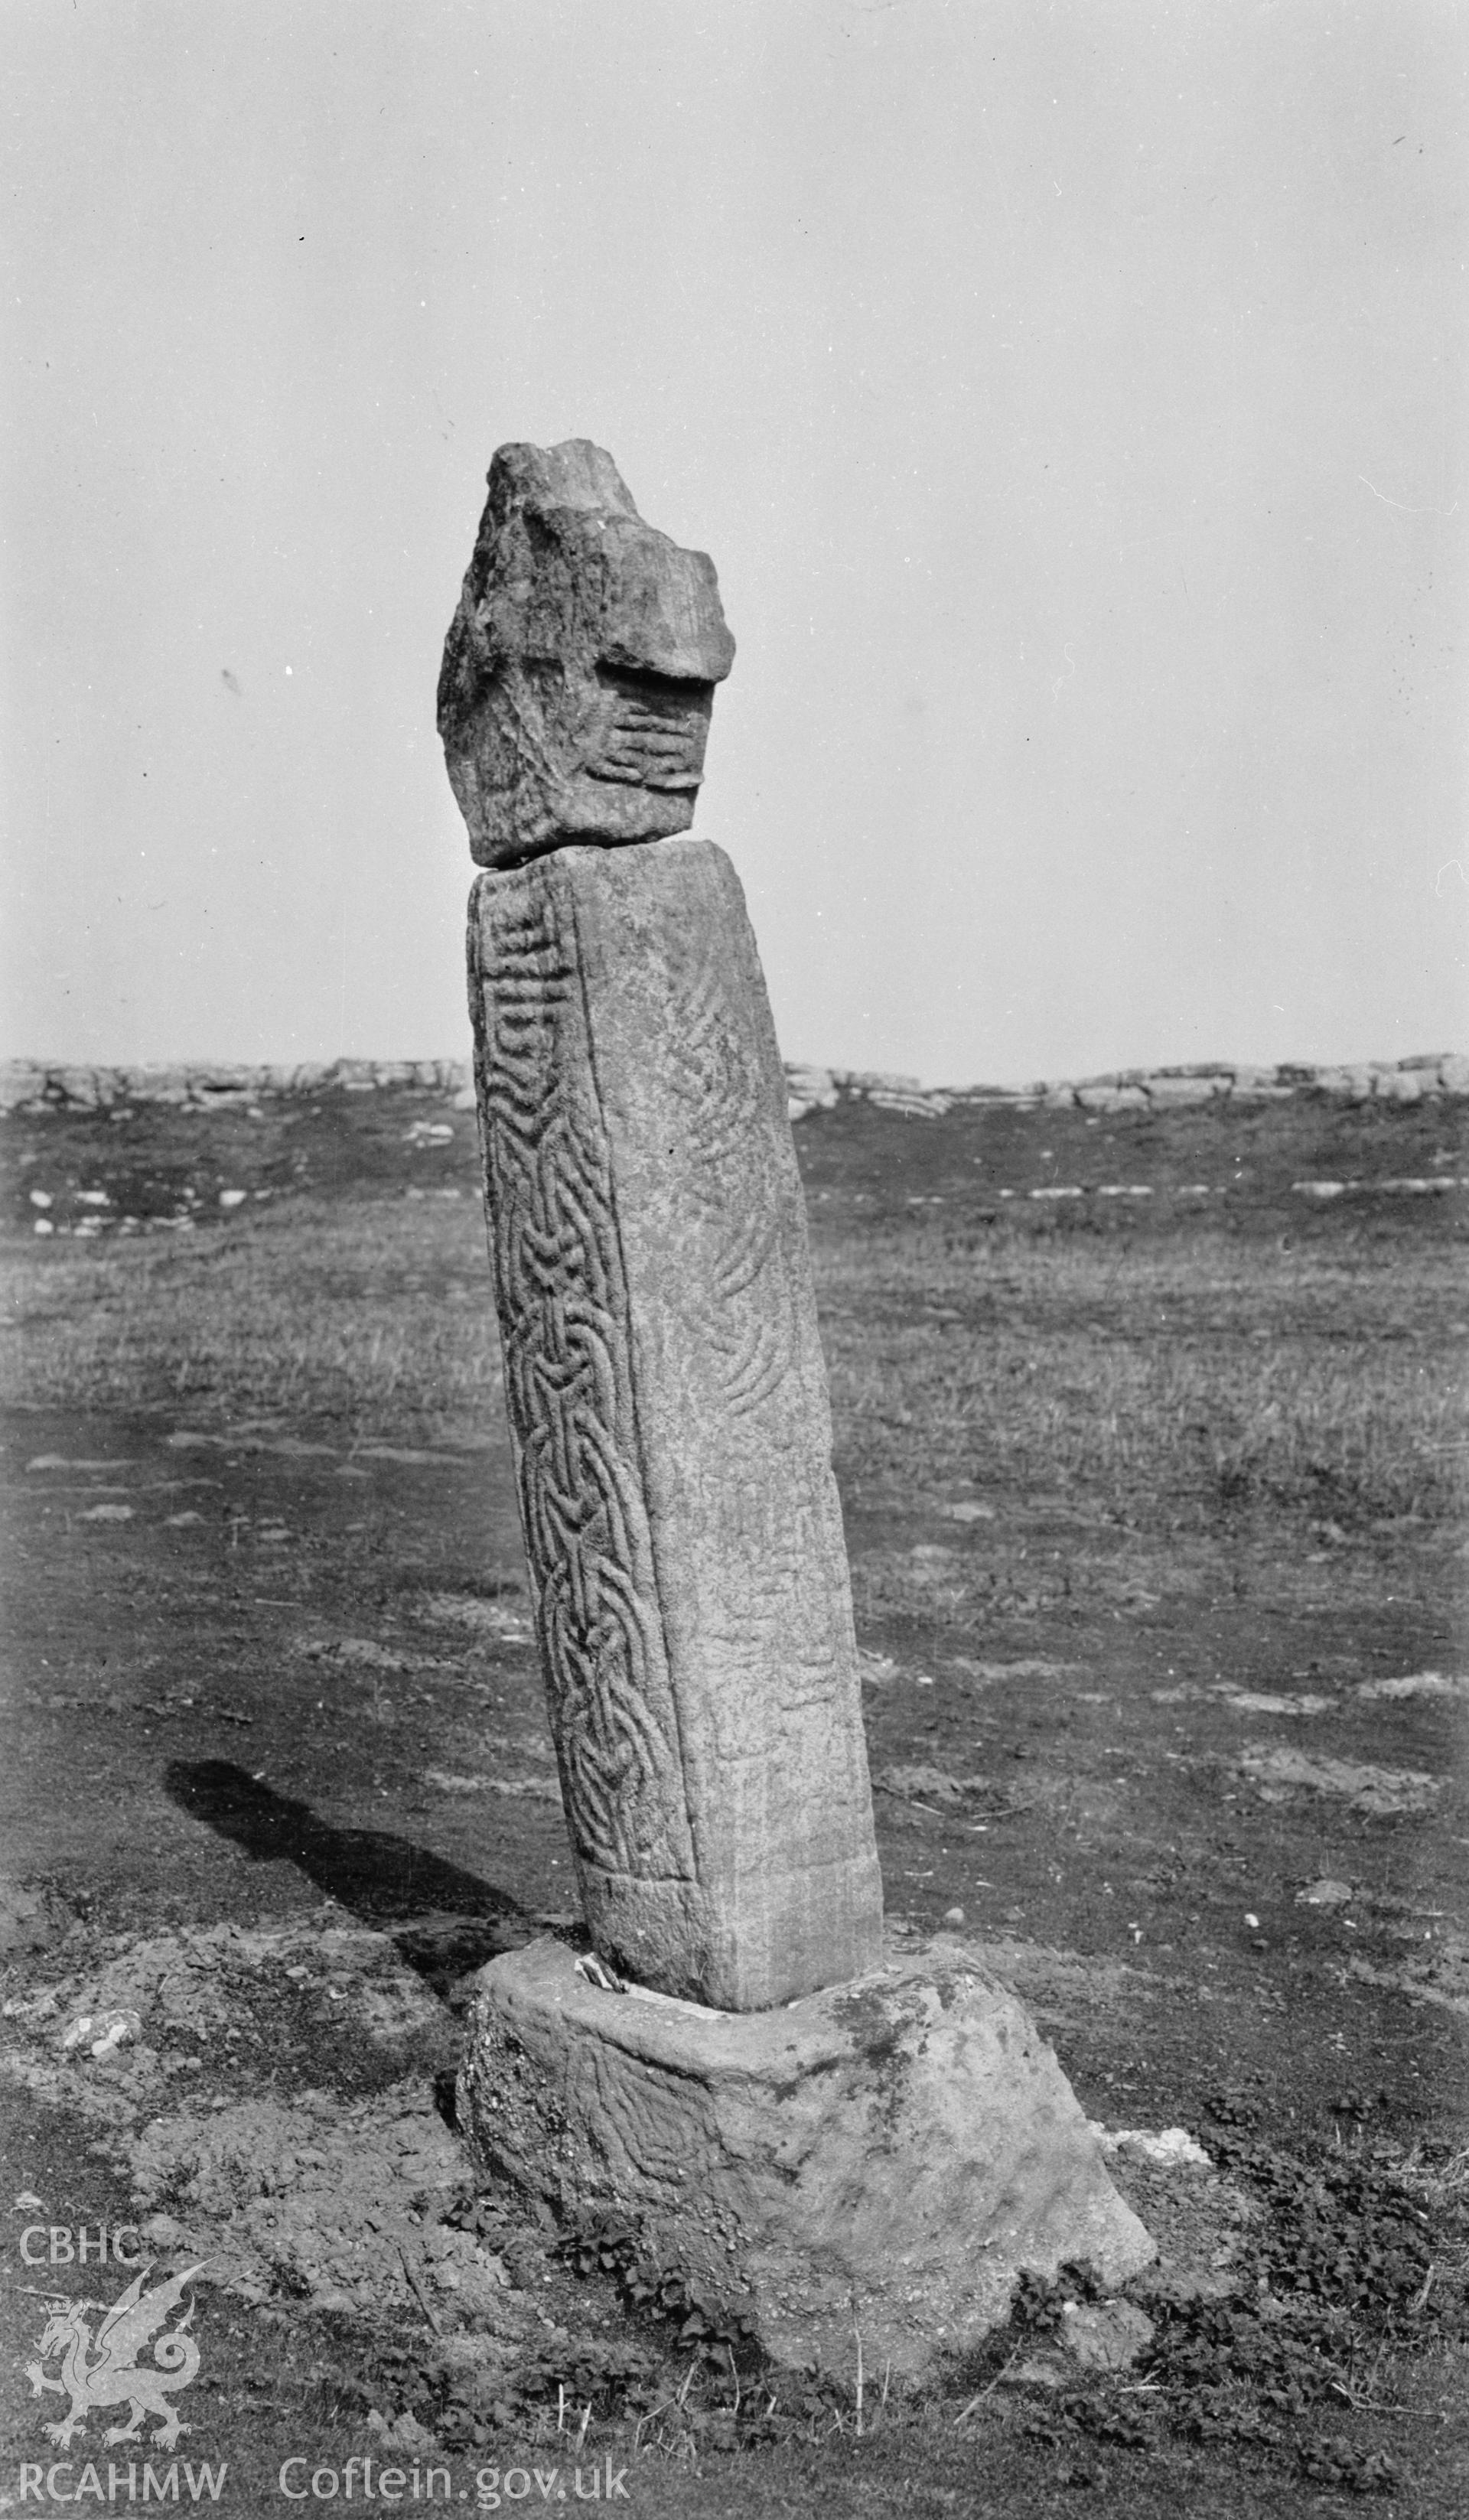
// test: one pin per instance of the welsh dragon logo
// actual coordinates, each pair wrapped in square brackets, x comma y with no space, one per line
[103,2370]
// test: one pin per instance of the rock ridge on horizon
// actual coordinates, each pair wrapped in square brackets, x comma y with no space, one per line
[58,1084]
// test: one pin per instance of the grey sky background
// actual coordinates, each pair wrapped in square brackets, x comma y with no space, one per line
[1070,397]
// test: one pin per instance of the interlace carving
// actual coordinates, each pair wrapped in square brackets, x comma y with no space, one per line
[744,1310]
[564,1317]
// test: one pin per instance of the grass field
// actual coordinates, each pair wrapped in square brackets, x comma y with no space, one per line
[1158,1543]
[371,1316]
[1175,1375]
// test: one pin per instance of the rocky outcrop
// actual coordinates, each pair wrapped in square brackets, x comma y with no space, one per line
[1421,1078]
[30,1085]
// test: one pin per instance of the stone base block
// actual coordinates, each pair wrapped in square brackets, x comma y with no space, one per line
[882,2157]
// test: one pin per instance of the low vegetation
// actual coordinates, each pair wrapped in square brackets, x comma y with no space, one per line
[373,1316]
[1168,1380]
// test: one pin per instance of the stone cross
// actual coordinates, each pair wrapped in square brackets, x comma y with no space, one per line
[662,1371]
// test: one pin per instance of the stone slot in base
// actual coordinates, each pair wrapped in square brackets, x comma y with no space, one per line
[884,2156]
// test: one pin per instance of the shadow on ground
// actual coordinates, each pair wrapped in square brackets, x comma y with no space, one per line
[443,1919]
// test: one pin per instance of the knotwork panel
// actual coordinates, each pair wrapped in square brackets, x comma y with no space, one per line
[563,1318]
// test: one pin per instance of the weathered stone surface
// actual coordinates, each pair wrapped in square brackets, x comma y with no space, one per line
[668,1409]
[580,668]
[1112,1097]
[1178,1092]
[809,1088]
[1345,1084]
[889,2153]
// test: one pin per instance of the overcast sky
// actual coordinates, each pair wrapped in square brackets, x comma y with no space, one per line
[1069,396]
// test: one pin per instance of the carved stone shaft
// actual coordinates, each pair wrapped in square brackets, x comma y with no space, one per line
[668,1409]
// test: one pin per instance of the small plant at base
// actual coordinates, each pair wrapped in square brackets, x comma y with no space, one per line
[580,2380]
[761,2405]
[1106,2419]
[1336,2461]
[613,2244]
